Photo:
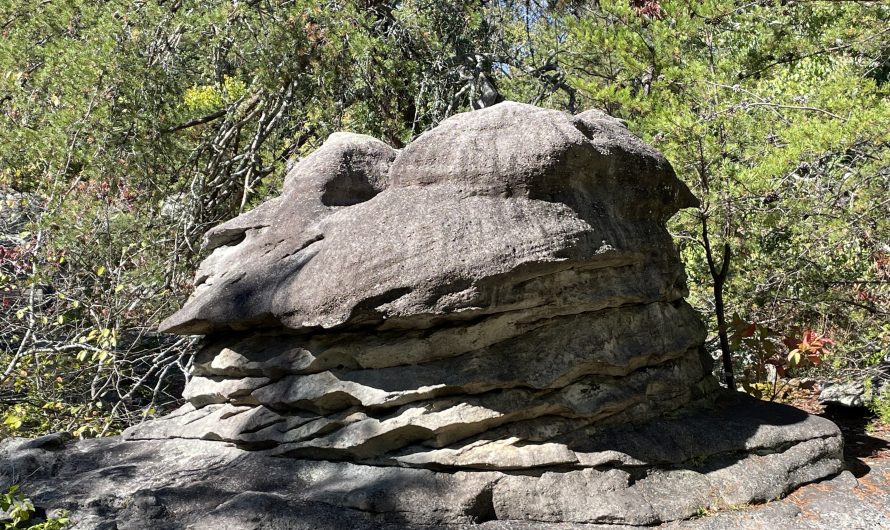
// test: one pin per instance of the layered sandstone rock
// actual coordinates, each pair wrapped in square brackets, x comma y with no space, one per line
[501,296]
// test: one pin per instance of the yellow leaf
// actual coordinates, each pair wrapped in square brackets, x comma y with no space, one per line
[101,270]
[12,421]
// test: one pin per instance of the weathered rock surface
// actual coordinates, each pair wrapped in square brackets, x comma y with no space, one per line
[859,392]
[851,394]
[487,324]
[503,281]
[739,451]
[509,208]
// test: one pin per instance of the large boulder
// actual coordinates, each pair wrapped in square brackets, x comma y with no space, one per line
[503,282]
[487,324]
[505,209]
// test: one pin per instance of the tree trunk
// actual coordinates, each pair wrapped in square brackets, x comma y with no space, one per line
[719,278]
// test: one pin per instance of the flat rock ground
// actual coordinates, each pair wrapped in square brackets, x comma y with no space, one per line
[857,499]
[843,503]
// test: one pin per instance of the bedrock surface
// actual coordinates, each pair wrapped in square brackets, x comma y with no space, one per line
[741,451]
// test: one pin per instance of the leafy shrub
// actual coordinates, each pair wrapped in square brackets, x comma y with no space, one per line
[760,347]
[20,511]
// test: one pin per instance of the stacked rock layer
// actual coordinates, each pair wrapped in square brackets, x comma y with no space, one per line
[501,294]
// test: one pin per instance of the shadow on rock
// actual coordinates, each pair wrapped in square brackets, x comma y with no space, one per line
[855,424]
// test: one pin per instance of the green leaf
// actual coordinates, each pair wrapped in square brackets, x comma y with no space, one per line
[13,422]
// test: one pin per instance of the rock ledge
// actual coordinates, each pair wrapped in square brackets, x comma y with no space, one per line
[739,452]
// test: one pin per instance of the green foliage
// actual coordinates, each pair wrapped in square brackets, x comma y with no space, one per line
[131,128]
[770,113]
[768,355]
[878,402]
[17,506]
[20,511]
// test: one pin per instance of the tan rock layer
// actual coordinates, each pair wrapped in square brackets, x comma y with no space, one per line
[322,416]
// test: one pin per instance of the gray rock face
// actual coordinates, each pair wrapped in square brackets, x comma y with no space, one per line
[504,280]
[497,308]
[474,218]
[852,394]
[861,391]
[700,461]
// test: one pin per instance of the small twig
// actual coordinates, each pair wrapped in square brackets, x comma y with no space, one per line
[197,121]
[796,107]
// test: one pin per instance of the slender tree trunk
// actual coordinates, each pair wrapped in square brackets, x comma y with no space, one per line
[719,277]
[721,323]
